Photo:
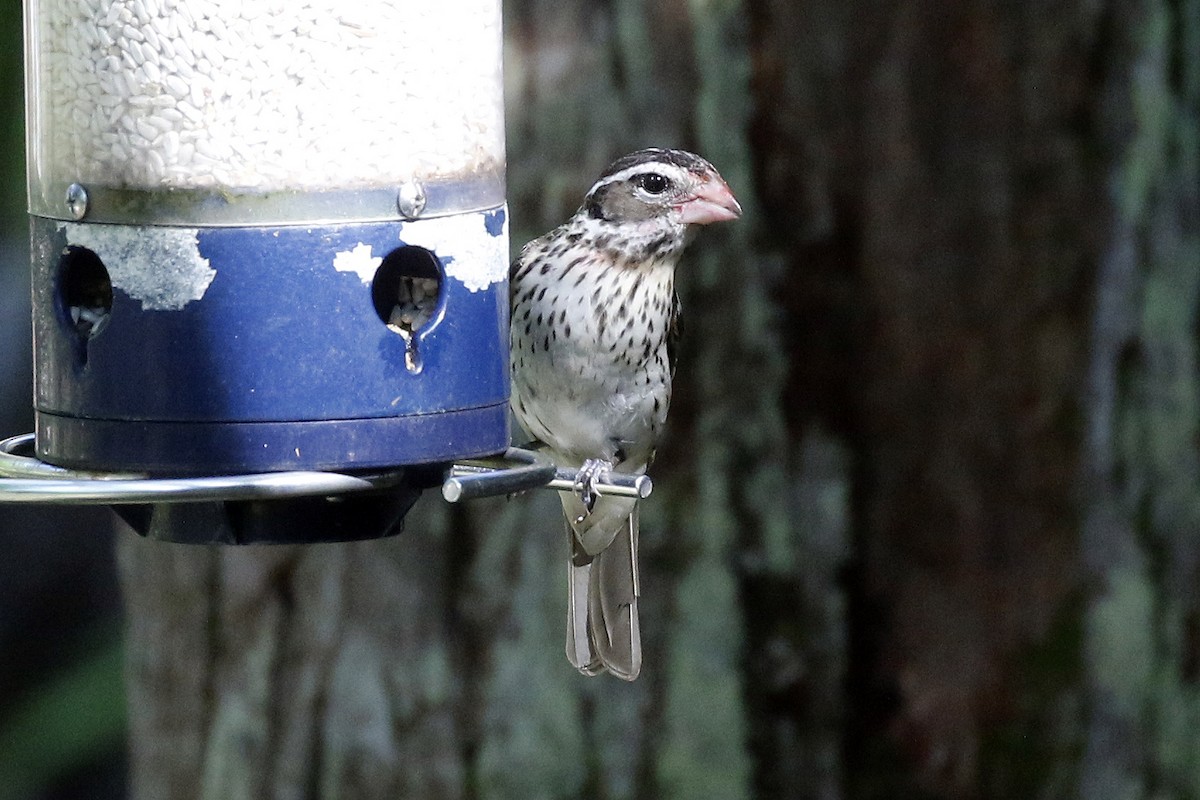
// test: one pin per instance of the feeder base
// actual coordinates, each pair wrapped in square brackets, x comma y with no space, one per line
[216,448]
[296,520]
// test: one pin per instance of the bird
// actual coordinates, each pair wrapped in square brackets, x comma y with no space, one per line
[594,323]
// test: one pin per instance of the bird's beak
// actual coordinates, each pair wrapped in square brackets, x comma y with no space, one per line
[711,202]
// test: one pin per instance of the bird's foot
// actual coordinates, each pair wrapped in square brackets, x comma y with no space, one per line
[592,471]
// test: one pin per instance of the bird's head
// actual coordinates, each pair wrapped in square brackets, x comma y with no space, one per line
[653,193]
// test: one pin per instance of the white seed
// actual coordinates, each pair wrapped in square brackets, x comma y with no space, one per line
[176,85]
[152,41]
[170,143]
[147,129]
[129,81]
[160,123]
[156,162]
[203,93]
[184,52]
[150,72]
[194,115]
[164,45]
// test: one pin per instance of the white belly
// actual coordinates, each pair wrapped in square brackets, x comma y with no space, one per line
[594,382]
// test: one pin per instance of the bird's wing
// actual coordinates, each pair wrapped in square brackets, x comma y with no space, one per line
[674,331]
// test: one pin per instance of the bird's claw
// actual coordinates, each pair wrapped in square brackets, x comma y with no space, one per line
[592,471]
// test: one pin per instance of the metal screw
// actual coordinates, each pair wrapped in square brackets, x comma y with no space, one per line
[411,199]
[77,201]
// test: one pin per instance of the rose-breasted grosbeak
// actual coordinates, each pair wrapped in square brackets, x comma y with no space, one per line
[594,316]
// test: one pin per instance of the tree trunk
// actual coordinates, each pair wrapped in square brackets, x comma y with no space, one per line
[1142,474]
[923,525]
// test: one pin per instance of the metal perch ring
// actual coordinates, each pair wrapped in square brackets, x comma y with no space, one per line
[26,479]
[491,476]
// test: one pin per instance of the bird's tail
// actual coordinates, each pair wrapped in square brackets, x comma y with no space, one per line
[602,612]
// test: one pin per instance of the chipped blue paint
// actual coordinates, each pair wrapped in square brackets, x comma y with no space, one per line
[281,363]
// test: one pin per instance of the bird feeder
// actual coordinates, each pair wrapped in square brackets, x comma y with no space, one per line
[269,260]
[266,235]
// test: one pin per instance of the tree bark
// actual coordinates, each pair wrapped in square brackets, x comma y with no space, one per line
[1142,476]
[923,523]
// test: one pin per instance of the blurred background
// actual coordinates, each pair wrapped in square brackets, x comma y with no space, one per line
[62,715]
[925,524]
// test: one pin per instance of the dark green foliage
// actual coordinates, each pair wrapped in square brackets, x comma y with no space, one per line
[69,721]
[12,126]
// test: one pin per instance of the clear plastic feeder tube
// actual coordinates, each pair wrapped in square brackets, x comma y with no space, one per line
[224,112]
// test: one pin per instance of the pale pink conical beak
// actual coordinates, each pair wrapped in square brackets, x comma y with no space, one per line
[712,202]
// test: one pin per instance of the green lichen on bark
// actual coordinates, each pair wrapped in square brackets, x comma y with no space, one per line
[735,375]
[1142,646]
[534,741]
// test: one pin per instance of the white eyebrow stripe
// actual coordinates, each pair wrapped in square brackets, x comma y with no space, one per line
[637,169]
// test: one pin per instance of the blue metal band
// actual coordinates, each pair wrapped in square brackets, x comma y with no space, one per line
[208,448]
[229,349]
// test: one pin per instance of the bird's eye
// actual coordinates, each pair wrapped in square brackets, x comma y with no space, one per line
[653,183]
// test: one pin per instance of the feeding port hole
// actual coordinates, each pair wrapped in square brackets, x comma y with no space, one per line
[85,291]
[406,291]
